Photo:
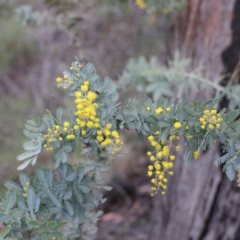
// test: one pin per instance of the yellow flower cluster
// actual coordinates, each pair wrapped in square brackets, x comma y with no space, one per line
[65,78]
[107,137]
[211,119]
[57,135]
[141,4]
[159,110]
[25,189]
[86,118]
[196,155]
[162,162]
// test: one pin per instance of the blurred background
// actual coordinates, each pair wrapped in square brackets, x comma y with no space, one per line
[154,48]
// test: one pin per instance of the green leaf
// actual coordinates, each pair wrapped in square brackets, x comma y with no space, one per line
[78,196]
[5,231]
[24,164]
[163,123]
[33,223]
[190,111]
[230,172]
[31,128]
[69,207]
[164,134]
[30,198]
[54,199]
[51,225]
[41,176]
[60,111]
[21,204]
[12,186]
[85,189]
[32,144]
[10,201]
[31,134]
[32,122]
[23,179]
[16,213]
[232,115]
[71,176]
[81,175]
[28,154]
[67,194]
[60,225]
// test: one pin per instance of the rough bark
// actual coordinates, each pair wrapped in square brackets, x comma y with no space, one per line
[201,204]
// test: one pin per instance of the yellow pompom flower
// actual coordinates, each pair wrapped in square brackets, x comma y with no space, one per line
[84,88]
[157,166]
[206,112]
[151,138]
[177,125]
[150,167]
[213,111]
[78,94]
[115,134]
[159,155]
[154,181]
[89,124]
[158,111]
[108,141]
[154,143]
[158,147]
[210,126]
[59,79]
[177,148]
[91,96]
[150,173]
[66,124]
[148,108]
[100,138]
[168,109]
[76,127]
[196,155]
[152,158]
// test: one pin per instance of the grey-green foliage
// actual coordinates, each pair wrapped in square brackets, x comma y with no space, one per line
[41,203]
[51,196]
[157,80]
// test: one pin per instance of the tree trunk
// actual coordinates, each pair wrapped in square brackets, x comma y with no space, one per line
[201,203]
